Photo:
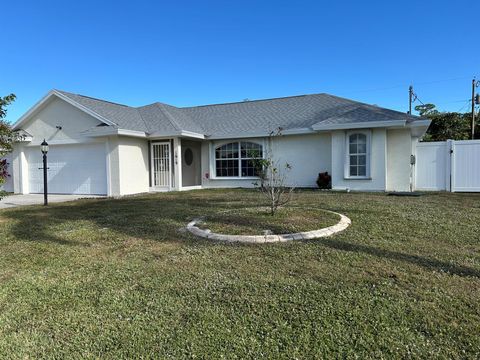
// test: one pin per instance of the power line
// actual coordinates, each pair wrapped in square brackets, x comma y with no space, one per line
[467,102]
[403,85]
[443,80]
[452,102]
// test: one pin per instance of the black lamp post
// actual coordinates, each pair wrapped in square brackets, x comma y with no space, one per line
[44,148]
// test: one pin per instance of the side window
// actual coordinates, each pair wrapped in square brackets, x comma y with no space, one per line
[358,155]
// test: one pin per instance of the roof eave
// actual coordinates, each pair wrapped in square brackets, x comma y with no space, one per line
[44,99]
[360,125]
[419,128]
[110,131]
[182,133]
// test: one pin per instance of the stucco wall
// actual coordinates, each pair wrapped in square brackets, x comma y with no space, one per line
[42,125]
[20,169]
[399,149]
[127,166]
[307,154]
[59,113]
[132,164]
[126,157]
[377,181]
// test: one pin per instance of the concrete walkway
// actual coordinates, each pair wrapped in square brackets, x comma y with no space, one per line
[37,199]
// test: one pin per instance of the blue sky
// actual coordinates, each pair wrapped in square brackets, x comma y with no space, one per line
[200,52]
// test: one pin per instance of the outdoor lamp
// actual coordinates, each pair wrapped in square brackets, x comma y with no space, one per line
[44,147]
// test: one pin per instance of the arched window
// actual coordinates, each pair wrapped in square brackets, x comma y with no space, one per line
[235,159]
[358,153]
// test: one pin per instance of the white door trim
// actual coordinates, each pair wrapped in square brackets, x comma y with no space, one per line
[167,186]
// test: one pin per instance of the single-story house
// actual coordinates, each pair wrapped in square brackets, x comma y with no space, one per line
[101,147]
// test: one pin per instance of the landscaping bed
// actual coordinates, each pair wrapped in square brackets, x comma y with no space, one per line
[259,221]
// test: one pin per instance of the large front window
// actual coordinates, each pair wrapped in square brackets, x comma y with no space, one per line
[235,159]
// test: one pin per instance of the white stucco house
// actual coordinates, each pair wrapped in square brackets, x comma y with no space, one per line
[100,147]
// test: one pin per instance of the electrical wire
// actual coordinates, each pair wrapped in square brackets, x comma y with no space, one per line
[464,105]
[420,83]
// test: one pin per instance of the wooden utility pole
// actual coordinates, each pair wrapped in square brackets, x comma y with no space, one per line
[410,98]
[474,85]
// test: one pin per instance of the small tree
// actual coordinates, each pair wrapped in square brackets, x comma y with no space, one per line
[7,137]
[272,178]
[446,125]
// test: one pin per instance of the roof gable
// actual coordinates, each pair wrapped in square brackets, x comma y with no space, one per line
[45,100]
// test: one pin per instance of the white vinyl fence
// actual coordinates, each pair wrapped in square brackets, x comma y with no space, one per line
[448,166]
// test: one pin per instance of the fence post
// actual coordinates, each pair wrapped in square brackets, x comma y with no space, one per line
[450,165]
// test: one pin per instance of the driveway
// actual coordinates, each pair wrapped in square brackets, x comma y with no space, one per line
[37,199]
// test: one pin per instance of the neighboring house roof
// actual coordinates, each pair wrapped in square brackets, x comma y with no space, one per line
[316,111]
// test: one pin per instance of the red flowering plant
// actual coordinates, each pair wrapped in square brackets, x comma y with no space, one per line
[3,172]
[7,137]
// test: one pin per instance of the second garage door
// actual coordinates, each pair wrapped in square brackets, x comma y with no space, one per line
[73,169]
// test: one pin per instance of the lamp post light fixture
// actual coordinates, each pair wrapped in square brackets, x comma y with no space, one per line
[44,149]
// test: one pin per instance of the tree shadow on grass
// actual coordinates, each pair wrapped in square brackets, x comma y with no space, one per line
[425,262]
[159,218]
[153,218]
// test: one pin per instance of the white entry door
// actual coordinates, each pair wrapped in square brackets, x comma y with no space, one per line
[72,169]
[161,165]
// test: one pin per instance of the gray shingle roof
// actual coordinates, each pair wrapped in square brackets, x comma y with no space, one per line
[259,116]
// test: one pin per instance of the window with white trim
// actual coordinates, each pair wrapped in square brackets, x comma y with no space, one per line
[358,155]
[235,159]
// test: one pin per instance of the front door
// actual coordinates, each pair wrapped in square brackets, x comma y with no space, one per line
[161,165]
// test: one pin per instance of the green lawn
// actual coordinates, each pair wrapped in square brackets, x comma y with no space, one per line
[252,220]
[119,278]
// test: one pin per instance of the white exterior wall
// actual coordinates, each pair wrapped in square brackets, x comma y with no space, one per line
[20,169]
[399,149]
[133,165]
[378,151]
[57,112]
[126,157]
[307,154]
[43,125]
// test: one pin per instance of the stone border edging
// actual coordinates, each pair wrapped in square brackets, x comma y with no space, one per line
[306,235]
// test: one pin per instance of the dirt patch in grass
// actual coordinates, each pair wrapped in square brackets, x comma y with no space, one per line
[257,221]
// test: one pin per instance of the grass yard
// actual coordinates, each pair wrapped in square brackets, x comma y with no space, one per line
[251,220]
[120,279]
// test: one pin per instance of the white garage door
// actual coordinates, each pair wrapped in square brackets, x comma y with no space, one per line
[72,169]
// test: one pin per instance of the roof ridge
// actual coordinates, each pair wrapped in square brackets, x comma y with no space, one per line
[169,116]
[93,98]
[141,117]
[371,106]
[251,101]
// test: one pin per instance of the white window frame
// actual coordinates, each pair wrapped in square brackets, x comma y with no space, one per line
[368,134]
[213,162]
